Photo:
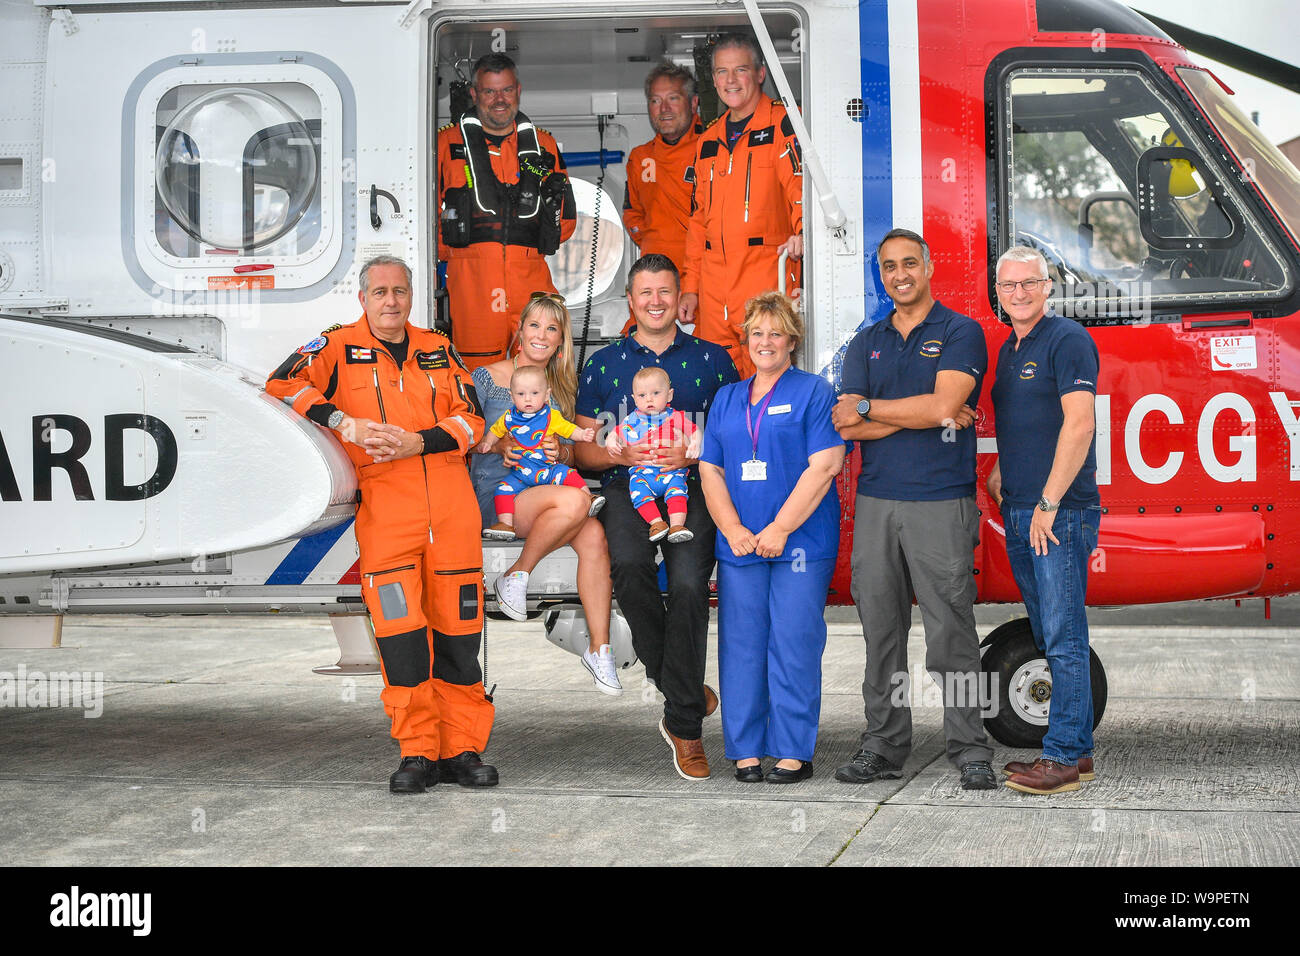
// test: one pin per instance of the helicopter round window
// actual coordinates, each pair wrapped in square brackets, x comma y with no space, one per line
[237,168]
[594,252]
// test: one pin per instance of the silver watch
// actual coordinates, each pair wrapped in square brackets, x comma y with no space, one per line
[336,418]
[1045,505]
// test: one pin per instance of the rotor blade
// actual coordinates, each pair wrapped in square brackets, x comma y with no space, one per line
[1237,57]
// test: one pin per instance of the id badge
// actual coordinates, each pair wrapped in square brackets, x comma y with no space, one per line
[753,470]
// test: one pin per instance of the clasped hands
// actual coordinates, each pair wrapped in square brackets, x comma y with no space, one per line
[644,454]
[768,543]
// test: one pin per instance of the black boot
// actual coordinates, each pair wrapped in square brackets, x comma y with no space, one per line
[468,770]
[414,775]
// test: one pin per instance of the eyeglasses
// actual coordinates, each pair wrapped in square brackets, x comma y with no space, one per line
[547,295]
[1029,285]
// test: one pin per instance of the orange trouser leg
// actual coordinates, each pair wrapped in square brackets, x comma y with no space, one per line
[487,292]
[727,286]
[392,590]
[453,597]
[716,322]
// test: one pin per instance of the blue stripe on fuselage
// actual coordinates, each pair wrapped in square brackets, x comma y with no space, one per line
[306,554]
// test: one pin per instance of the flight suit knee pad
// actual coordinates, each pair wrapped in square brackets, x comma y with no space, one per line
[405,658]
[455,658]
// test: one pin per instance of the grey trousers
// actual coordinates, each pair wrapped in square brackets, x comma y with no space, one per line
[901,548]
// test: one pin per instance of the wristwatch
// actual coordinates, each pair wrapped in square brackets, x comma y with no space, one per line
[1045,505]
[336,418]
[864,409]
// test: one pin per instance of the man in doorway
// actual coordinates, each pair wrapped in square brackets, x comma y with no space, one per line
[747,203]
[657,205]
[506,204]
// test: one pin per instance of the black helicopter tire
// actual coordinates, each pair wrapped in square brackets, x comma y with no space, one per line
[1021,682]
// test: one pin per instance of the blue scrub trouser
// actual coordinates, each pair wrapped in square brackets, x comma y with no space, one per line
[771,634]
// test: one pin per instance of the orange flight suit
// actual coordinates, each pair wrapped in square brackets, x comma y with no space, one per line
[489,283]
[657,204]
[747,201]
[417,525]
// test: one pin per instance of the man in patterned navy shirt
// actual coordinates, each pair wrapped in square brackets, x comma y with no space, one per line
[670,636]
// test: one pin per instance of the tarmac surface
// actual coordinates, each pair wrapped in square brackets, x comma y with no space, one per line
[218,745]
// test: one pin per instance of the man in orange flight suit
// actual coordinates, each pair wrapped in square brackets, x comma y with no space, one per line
[506,205]
[657,204]
[406,410]
[747,203]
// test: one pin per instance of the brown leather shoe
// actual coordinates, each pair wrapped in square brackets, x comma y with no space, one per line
[499,532]
[710,700]
[1022,766]
[1045,776]
[658,530]
[688,755]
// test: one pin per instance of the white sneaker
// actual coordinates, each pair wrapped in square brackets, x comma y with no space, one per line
[604,672]
[512,594]
[597,503]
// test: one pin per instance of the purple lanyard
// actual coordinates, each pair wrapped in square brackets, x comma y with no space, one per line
[749,424]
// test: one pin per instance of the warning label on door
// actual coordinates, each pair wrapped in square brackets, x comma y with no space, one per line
[1232,352]
[241,282]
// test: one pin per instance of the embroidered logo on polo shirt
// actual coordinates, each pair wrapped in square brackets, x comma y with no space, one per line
[931,348]
[875,353]
[1029,371]
[1083,381]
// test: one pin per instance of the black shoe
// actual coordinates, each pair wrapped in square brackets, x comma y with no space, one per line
[752,774]
[978,775]
[866,767]
[781,775]
[468,770]
[414,775]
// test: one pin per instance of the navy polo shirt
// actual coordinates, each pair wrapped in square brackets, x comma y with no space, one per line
[696,368]
[917,464]
[1056,357]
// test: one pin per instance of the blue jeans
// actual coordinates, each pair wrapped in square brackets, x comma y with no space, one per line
[1054,587]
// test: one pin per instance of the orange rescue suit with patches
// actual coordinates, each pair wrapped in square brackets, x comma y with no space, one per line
[489,283]
[747,201]
[417,524]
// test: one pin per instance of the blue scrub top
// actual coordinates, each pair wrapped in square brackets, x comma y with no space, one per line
[796,424]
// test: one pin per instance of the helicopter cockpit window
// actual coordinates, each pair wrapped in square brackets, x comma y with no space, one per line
[1107,180]
[237,170]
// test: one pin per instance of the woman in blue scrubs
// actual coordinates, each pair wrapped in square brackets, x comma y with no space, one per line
[768,466]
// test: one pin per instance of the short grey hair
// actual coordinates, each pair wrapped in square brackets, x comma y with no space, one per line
[737,41]
[363,275]
[667,70]
[1022,254]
